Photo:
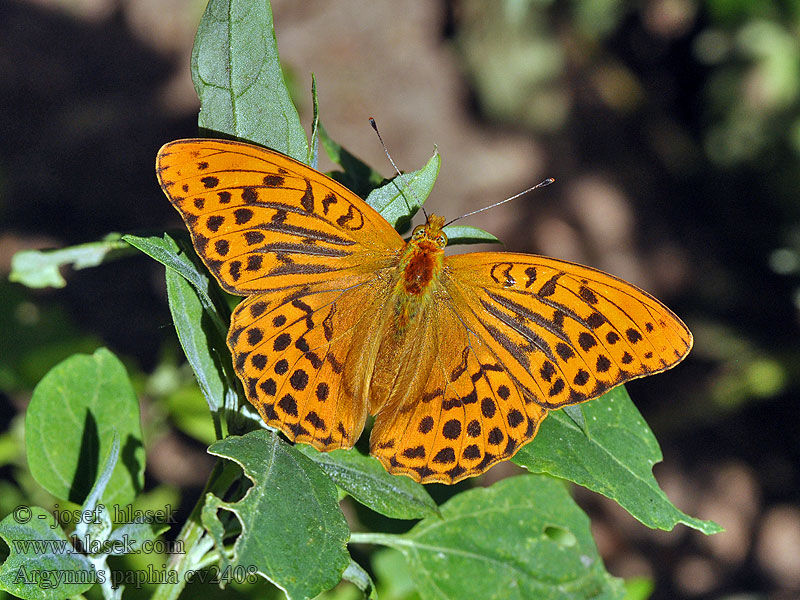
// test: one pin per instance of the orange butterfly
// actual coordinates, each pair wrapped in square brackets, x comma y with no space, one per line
[459,358]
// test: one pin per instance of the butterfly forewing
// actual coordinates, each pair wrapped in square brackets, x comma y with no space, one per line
[565,333]
[261,220]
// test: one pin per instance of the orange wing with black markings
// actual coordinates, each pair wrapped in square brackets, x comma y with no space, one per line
[261,220]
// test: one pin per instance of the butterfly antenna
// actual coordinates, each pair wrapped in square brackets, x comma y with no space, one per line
[389,156]
[541,184]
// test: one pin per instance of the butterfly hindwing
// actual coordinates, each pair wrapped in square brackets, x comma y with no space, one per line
[261,220]
[293,351]
[469,415]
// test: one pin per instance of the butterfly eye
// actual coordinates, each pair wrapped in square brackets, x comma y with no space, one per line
[441,240]
[419,232]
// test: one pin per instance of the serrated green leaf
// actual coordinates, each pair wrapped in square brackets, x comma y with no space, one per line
[238,77]
[467,234]
[292,529]
[69,429]
[40,268]
[615,459]
[399,200]
[365,479]
[42,565]
[499,543]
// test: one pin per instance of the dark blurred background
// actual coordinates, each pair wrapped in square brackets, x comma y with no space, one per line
[671,126]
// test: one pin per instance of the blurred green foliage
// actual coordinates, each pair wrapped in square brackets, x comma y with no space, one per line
[524,56]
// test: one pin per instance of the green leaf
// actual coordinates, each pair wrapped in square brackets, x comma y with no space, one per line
[70,426]
[639,588]
[365,479]
[40,268]
[615,459]
[99,526]
[201,319]
[467,234]
[204,348]
[575,413]
[361,579]
[131,536]
[357,176]
[190,415]
[522,538]
[238,77]
[292,529]
[313,148]
[42,564]
[392,575]
[399,200]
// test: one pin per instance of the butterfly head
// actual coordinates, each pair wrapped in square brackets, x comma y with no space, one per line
[431,232]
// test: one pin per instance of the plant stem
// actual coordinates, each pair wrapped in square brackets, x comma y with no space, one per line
[192,537]
[382,539]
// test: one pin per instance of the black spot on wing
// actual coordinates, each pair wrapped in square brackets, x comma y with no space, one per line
[452,429]
[214,222]
[307,201]
[273,181]
[242,215]
[425,425]
[222,247]
[549,286]
[249,195]
[415,452]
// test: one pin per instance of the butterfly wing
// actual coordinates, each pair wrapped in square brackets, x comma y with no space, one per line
[469,415]
[263,221]
[518,335]
[303,356]
[565,332]
[312,257]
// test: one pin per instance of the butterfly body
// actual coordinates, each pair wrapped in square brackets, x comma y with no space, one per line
[419,270]
[459,358]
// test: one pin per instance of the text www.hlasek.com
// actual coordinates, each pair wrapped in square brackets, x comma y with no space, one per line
[52,578]
[122,545]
